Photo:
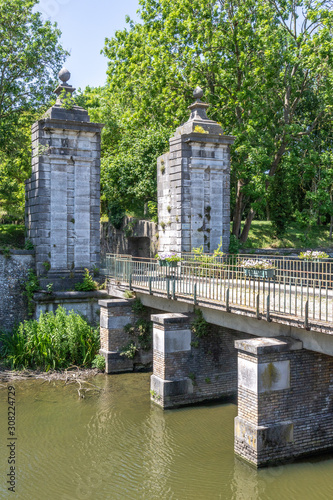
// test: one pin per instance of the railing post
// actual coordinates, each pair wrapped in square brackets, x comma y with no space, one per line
[267,308]
[195,294]
[174,290]
[149,284]
[227,300]
[306,316]
[168,287]
[257,306]
[130,281]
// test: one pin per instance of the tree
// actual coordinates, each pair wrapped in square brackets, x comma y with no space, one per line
[30,57]
[266,69]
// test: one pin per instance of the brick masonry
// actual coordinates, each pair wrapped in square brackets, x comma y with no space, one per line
[13,274]
[285,402]
[205,369]
[193,186]
[115,314]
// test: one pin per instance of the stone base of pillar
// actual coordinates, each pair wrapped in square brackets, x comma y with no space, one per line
[169,393]
[114,363]
[285,401]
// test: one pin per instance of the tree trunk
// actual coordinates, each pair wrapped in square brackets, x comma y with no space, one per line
[331,227]
[237,219]
[246,228]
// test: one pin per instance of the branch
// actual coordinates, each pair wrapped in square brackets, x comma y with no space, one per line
[314,123]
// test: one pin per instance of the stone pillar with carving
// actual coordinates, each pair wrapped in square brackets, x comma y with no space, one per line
[63,192]
[193,183]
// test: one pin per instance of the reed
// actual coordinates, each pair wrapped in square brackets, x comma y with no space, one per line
[55,341]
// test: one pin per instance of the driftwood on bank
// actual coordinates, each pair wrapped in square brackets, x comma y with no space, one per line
[72,375]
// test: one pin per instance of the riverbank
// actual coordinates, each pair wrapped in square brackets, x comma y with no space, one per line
[71,373]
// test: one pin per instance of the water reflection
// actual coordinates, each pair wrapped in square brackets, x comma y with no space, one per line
[117,445]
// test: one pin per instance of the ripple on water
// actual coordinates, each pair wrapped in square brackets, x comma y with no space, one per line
[117,445]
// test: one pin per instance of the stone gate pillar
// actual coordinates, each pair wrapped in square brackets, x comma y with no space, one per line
[63,192]
[193,183]
[285,401]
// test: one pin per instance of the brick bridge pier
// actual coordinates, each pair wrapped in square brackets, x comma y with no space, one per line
[283,375]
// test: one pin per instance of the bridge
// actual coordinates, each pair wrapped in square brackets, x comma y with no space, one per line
[269,339]
[297,292]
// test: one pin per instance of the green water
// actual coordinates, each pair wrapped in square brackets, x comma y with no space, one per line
[117,445]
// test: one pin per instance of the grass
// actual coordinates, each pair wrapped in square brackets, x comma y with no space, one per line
[12,236]
[261,236]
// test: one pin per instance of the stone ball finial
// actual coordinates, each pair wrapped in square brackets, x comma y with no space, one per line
[197,93]
[64,75]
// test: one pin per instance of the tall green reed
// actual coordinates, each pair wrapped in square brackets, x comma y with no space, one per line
[55,341]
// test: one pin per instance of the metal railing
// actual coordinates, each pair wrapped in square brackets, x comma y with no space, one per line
[302,289]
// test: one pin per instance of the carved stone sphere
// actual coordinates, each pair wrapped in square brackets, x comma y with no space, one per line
[197,93]
[64,75]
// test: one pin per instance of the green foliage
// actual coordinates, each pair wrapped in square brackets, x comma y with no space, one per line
[128,172]
[88,284]
[31,286]
[152,211]
[137,307]
[129,228]
[30,58]
[55,341]
[193,377]
[310,255]
[28,245]
[98,362]
[129,350]
[12,235]
[128,294]
[234,244]
[296,236]
[47,265]
[142,331]
[199,325]
[207,264]
[267,77]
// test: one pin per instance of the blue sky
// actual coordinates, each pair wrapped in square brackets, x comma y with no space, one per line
[84,25]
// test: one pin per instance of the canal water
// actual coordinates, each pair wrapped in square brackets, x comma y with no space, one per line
[116,445]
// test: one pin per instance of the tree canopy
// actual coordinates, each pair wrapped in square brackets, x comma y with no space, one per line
[30,57]
[266,68]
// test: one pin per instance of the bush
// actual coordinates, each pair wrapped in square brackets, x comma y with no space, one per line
[54,341]
[88,284]
[98,362]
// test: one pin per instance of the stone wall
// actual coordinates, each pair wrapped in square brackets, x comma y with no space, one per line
[135,237]
[84,303]
[13,273]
